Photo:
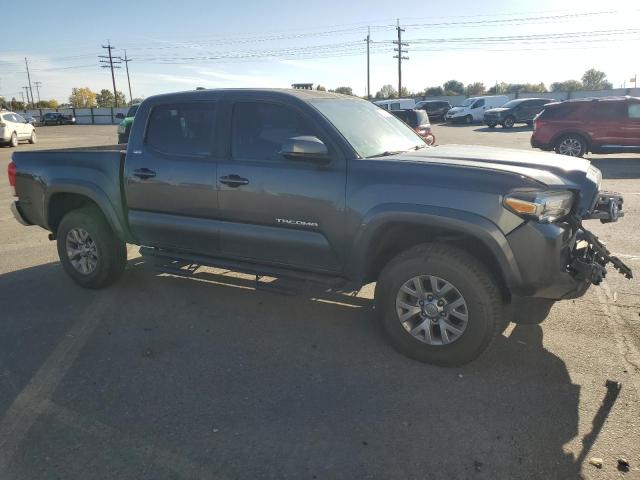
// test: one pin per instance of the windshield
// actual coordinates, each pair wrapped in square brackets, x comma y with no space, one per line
[370,130]
[132,111]
[512,103]
[468,102]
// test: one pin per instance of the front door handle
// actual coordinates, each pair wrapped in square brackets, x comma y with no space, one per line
[144,173]
[234,180]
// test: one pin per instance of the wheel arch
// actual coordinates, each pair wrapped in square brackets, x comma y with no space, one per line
[394,228]
[61,198]
[577,132]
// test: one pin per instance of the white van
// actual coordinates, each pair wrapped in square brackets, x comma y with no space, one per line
[396,103]
[472,109]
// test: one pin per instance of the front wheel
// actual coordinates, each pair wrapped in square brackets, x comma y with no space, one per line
[90,252]
[491,125]
[439,305]
[468,119]
[571,145]
[508,122]
[33,139]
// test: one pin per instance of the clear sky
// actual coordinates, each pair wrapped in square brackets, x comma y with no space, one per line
[190,43]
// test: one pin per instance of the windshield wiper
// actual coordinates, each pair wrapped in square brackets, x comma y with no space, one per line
[386,154]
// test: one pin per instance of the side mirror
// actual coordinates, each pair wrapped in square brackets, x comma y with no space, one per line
[120,116]
[306,148]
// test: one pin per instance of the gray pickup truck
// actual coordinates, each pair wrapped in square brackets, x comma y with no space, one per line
[315,186]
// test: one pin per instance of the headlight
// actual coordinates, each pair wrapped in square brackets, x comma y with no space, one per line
[545,207]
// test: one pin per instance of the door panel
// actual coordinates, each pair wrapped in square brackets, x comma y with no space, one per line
[289,212]
[170,183]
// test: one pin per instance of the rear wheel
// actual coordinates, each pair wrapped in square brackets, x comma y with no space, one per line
[439,305]
[430,139]
[491,125]
[508,122]
[571,145]
[91,254]
[33,139]
[13,142]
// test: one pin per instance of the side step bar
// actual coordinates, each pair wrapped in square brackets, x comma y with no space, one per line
[172,263]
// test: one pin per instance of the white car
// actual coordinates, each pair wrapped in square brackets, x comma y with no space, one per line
[472,109]
[14,127]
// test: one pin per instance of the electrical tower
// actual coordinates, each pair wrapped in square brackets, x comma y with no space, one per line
[38,85]
[108,61]
[126,65]
[399,56]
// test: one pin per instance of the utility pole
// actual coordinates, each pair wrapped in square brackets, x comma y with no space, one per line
[126,65]
[26,89]
[110,63]
[38,85]
[22,95]
[368,40]
[26,62]
[399,56]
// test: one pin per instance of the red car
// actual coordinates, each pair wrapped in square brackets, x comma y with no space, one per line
[601,125]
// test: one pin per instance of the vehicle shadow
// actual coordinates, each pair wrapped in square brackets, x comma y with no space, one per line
[252,384]
[617,168]
[499,129]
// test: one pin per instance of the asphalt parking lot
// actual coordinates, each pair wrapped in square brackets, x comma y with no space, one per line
[161,377]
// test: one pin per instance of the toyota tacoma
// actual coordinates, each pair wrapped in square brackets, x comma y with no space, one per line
[317,186]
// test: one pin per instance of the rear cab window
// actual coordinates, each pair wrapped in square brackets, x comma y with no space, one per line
[182,129]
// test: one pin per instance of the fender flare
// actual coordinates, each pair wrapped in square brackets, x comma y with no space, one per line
[91,191]
[457,221]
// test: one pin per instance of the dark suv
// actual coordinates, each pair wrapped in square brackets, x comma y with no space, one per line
[57,118]
[434,108]
[600,125]
[520,110]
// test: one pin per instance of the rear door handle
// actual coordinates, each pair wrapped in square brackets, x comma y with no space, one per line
[234,180]
[144,173]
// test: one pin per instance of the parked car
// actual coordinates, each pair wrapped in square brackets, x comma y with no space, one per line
[599,125]
[520,110]
[396,103]
[434,108]
[14,128]
[29,118]
[315,186]
[418,120]
[57,118]
[472,109]
[125,125]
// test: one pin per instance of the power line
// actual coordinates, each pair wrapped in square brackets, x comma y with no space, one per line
[368,40]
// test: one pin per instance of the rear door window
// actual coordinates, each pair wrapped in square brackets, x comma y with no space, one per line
[182,129]
[634,110]
[608,111]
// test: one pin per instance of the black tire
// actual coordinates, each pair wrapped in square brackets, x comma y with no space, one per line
[508,122]
[491,125]
[485,308]
[111,251]
[577,140]
[468,119]
[33,139]
[529,311]
[13,141]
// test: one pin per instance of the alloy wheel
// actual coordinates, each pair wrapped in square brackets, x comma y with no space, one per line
[570,146]
[432,310]
[82,251]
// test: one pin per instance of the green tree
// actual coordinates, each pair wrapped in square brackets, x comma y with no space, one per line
[82,97]
[405,93]
[595,80]
[344,90]
[453,87]
[105,99]
[566,86]
[433,91]
[137,100]
[474,89]
[321,88]
[387,91]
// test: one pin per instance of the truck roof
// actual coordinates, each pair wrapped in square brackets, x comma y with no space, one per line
[300,94]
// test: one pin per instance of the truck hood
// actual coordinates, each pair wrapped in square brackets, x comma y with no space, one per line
[548,169]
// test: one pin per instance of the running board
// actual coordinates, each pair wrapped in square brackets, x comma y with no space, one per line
[174,263]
